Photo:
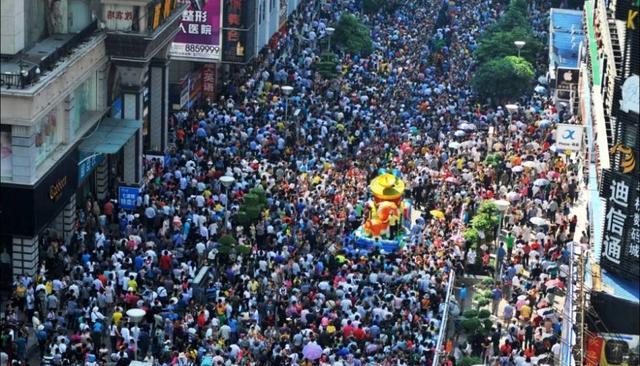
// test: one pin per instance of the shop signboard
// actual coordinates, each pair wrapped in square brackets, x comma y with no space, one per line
[234,49]
[118,17]
[128,197]
[86,164]
[209,81]
[621,235]
[26,210]
[198,38]
[569,137]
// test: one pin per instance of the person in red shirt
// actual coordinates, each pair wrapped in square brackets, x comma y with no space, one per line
[347,330]
[165,262]
[359,334]
[506,348]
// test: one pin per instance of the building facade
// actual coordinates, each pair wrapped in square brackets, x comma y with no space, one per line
[609,108]
[75,116]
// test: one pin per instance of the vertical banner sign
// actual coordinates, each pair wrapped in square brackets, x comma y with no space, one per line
[209,81]
[118,17]
[235,34]
[199,34]
[128,197]
[594,348]
[620,241]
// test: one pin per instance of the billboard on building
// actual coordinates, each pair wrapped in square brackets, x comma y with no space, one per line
[621,235]
[569,137]
[283,12]
[199,36]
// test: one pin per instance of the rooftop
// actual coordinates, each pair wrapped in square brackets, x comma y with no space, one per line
[566,36]
[26,68]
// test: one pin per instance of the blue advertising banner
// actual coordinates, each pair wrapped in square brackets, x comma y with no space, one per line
[127,197]
[86,165]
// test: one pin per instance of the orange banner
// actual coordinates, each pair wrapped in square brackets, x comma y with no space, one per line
[594,348]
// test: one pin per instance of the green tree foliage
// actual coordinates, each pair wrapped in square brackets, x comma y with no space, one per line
[352,36]
[471,360]
[327,65]
[501,44]
[254,203]
[503,79]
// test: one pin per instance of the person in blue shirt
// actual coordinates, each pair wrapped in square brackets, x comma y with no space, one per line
[462,295]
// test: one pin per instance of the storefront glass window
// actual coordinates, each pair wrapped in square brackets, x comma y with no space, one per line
[84,102]
[48,135]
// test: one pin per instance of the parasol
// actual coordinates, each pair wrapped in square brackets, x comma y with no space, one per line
[513,196]
[437,214]
[498,146]
[451,180]
[529,164]
[538,221]
[540,182]
[517,169]
[555,283]
[459,133]
[312,351]
[467,127]
[454,144]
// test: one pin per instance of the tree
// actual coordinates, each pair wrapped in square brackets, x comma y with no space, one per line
[352,36]
[500,44]
[327,65]
[503,79]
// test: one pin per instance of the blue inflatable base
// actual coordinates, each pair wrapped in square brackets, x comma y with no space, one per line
[359,244]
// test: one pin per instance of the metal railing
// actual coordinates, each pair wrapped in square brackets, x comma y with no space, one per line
[443,322]
[30,72]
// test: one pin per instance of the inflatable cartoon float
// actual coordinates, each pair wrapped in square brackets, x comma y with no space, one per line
[389,215]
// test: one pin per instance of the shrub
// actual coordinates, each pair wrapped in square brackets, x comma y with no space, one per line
[470,361]
[484,314]
[471,313]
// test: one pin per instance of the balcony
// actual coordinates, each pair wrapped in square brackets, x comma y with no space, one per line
[25,69]
[139,32]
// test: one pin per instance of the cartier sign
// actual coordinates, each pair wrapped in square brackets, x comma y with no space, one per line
[55,191]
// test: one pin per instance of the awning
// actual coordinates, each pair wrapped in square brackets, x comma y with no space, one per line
[110,135]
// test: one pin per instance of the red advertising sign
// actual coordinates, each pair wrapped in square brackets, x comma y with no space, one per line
[209,81]
[594,348]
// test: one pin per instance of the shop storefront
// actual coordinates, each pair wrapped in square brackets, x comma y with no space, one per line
[27,211]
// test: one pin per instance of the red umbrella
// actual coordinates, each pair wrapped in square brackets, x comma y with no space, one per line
[554,283]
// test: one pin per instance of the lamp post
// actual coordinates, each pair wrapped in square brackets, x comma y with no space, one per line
[330,31]
[227,181]
[287,90]
[519,45]
[135,316]
[502,206]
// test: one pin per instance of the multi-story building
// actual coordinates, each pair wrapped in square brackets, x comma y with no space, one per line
[83,92]
[209,49]
[610,110]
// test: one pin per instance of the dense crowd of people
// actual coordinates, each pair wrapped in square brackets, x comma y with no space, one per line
[299,295]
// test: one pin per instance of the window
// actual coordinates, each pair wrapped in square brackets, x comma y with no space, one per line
[79,15]
[48,135]
[84,102]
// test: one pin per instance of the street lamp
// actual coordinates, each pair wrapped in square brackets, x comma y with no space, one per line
[330,31]
[227,181]
[519,44]
[287,90]
[135,316]
[502,206]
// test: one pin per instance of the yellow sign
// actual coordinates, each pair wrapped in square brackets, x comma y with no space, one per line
[628,163]
[55,191]
[631,16]
[156,16]
[167,8]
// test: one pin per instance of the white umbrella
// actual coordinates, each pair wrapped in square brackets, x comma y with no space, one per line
[459,133]
[540,89]
[538,221]
[540,182]
[530,164]
[517,169]
[532,145]
[468,127]
[454,144]
[468,143]
[513,196]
